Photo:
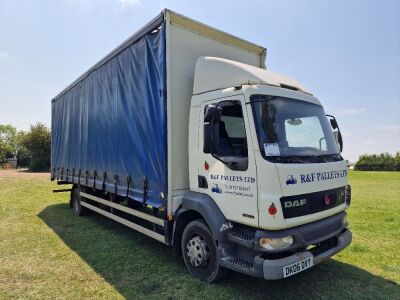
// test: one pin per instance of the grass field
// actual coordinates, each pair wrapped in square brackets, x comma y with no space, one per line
[47,252]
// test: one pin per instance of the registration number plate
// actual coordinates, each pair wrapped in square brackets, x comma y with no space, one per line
[297,267]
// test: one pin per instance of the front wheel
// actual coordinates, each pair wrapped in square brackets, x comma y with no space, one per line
[200,253]
[78,209]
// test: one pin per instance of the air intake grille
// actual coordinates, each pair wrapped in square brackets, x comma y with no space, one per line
[305,204]
[316,235]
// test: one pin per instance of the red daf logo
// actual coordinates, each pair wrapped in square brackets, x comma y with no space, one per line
[327,200]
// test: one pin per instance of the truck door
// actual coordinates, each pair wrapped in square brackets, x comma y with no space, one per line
[228,173]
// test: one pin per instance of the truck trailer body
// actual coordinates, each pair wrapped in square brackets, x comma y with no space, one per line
[182,134]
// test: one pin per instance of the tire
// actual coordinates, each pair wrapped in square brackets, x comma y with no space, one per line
[77,208]
[200,252]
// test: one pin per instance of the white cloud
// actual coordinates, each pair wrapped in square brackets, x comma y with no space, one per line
[370,142]
[125,3]
[351,111]
[390,128]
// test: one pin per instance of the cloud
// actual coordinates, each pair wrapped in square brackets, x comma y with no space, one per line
[4,55]
[125,3]
[351,111]
[390,128]
[370,142]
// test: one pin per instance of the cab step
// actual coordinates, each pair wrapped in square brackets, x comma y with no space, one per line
[239,262]
[241,237]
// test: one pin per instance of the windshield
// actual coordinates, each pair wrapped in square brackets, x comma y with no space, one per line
[292,130]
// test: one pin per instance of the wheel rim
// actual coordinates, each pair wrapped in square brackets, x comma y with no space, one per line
[198,251]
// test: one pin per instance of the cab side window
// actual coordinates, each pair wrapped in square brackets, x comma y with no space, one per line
[229,141]
[232,133]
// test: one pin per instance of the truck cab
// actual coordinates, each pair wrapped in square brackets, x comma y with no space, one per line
[263,150]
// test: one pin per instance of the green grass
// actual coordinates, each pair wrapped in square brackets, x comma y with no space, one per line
[47,252]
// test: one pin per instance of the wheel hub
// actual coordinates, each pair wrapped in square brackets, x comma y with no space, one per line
[198,251]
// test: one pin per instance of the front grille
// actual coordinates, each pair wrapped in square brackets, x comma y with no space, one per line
[305,204]
[324,232]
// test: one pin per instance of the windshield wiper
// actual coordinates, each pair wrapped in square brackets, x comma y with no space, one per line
[292,159]
[307,159]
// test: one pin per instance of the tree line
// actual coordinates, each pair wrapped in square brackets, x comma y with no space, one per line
[378,162]
[32,148]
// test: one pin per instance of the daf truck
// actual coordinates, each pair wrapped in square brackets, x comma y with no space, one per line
[182,134]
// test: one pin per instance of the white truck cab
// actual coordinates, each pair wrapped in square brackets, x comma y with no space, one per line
[262,148]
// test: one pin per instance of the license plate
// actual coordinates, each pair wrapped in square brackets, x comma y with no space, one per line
[297,267]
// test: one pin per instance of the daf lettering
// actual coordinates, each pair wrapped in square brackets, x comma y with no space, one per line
[295,203]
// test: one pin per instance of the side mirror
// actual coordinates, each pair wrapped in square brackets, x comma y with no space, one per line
[212,117]
[338,139]
[334,124]
[210,113]
[337,134]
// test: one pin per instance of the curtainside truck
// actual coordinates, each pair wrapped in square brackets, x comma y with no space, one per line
[182,134]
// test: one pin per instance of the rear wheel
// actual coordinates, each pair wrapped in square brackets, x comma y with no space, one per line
[78,209]
[200,253]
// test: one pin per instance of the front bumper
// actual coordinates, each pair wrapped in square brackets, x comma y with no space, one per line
[318,240]
[273,268]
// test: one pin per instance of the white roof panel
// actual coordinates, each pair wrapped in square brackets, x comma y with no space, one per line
[213,73]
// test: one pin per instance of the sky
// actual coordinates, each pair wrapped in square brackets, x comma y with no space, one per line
[347,53]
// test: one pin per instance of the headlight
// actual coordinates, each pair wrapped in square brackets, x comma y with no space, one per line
[275,243]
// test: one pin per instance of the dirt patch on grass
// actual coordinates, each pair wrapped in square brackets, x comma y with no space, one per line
[22,173]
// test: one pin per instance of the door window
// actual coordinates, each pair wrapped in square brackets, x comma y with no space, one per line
[232,140]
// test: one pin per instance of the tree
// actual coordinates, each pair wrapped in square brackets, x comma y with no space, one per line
[38,143]
[378,162]
[397,161]
[8,142]
[23,155]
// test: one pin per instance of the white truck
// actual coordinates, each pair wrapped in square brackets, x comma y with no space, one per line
[182,134]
